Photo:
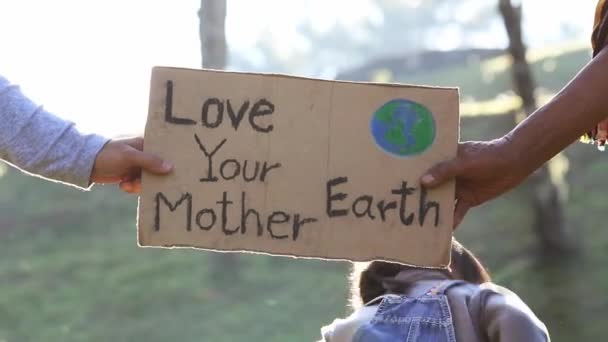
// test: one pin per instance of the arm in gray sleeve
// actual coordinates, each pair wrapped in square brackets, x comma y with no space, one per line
[41,143]
[506,318]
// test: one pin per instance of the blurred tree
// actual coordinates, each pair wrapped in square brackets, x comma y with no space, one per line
[212,26]
[224,267]
[549,213]
[393,27]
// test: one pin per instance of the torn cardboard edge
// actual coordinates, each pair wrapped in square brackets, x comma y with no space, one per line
[297,77]
[290,256]
[189,92]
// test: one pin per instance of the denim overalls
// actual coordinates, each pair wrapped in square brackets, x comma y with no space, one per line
[404,318]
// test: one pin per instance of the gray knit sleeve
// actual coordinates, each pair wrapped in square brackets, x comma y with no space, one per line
[43,144]
[506,318]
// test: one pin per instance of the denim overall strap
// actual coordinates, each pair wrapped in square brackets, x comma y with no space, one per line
[432,288]
[404,318]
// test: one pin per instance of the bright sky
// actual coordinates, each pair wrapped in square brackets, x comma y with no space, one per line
[89,61]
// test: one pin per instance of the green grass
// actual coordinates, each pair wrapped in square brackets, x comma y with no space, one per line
[482,81]
[71,269]
[485,86]
[90,282]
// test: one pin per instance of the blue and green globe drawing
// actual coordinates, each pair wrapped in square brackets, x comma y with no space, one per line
[403,128]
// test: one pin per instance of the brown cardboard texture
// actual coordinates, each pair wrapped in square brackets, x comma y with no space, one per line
[299,167]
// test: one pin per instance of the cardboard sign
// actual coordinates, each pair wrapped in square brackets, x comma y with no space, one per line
[299,167]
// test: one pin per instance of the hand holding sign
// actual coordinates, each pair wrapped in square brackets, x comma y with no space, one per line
[122,160]
[300,167]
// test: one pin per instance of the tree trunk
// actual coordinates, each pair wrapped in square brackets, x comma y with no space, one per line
[548,208]
[214,49]
[224,268]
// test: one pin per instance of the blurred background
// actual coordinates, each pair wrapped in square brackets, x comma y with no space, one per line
[70,268]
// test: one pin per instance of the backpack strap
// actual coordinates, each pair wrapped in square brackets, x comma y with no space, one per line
[445,285]
[475,307]
[475,312]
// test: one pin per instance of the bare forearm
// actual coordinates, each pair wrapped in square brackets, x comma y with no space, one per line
[573,112]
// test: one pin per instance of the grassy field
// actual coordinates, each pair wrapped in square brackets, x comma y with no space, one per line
[71,269]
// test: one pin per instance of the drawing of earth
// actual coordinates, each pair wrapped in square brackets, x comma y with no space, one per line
[403,128]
